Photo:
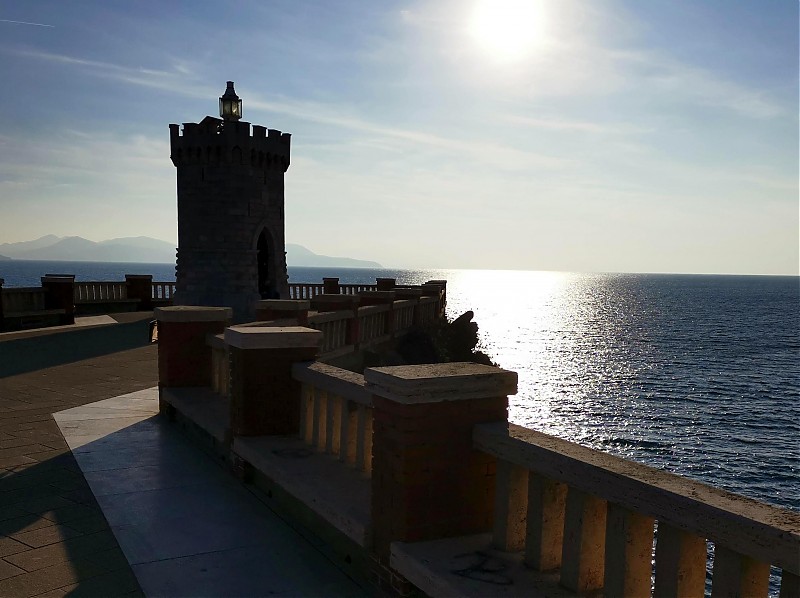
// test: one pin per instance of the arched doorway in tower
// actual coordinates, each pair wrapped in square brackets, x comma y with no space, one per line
[266,276]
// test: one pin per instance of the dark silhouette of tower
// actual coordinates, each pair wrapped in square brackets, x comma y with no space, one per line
[231,247]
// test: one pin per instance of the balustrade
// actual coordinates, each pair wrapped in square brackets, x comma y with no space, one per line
[334,327]
[594,516]
[355,289]
[403,314]
[336,413]
[371,322]
[305,290]
[220,364]
[97,291]
[163,290]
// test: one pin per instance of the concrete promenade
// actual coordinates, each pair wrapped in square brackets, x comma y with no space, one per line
[191,535]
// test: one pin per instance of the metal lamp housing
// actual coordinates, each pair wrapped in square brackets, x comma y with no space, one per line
[230,105]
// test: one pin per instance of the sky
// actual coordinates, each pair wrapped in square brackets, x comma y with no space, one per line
[612,135]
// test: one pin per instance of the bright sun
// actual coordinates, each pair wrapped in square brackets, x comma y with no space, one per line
[508,29]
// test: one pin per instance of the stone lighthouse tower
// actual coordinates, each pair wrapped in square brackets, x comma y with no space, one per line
[231,247]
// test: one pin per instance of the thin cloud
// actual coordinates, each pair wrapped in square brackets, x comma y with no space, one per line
[575,125]
[700,86]
[26,23]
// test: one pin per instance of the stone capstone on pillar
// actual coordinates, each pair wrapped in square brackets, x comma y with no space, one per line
[265,398]
[427,480]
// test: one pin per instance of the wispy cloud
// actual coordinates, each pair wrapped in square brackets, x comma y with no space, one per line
[509,158]
[682,82]
[557,124]
[26,23]
[177,80]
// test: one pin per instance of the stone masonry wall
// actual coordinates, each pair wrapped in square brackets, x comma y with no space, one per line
[230,187]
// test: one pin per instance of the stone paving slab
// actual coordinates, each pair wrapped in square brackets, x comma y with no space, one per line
[54,539]
[186,526]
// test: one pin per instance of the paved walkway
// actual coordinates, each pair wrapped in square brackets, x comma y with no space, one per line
[54,540]
[188,527]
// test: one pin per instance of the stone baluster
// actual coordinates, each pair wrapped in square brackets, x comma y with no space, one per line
[790,585]
[738,576]
[510,506]
[583,552]
[427,479]
[544,541]
[629,553]
[680,563]
[265,398]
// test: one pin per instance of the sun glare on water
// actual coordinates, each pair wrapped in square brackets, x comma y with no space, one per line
[508,30]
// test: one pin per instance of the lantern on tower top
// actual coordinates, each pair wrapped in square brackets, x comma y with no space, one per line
[230,105]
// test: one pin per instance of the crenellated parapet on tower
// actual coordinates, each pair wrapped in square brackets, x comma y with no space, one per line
[231,245]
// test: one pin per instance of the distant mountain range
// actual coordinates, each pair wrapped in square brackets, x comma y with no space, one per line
[143,250]
[297,255]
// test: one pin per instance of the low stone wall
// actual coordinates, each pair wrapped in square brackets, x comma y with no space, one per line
[60,299]
[418,469]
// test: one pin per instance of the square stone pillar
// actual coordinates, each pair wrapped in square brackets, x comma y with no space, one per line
[277,309]
[59,292]
[184,357]
[140,286]
[436,289]
[386,284]
[330,286]
[265,398]
[427,480]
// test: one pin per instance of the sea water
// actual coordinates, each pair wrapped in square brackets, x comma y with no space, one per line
[698,375]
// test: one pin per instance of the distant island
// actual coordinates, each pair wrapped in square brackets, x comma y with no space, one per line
[297,255]
[144,250]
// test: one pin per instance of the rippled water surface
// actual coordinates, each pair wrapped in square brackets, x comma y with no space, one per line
[699,375]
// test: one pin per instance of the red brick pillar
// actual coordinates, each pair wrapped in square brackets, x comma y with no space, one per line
[59,293]
[427,480]
[265,398]
[277,309]
[386,284]
[140,286]
[330,286]
[184,357]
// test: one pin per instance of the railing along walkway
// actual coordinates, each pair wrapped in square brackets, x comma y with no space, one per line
[593,515]
[336,425]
